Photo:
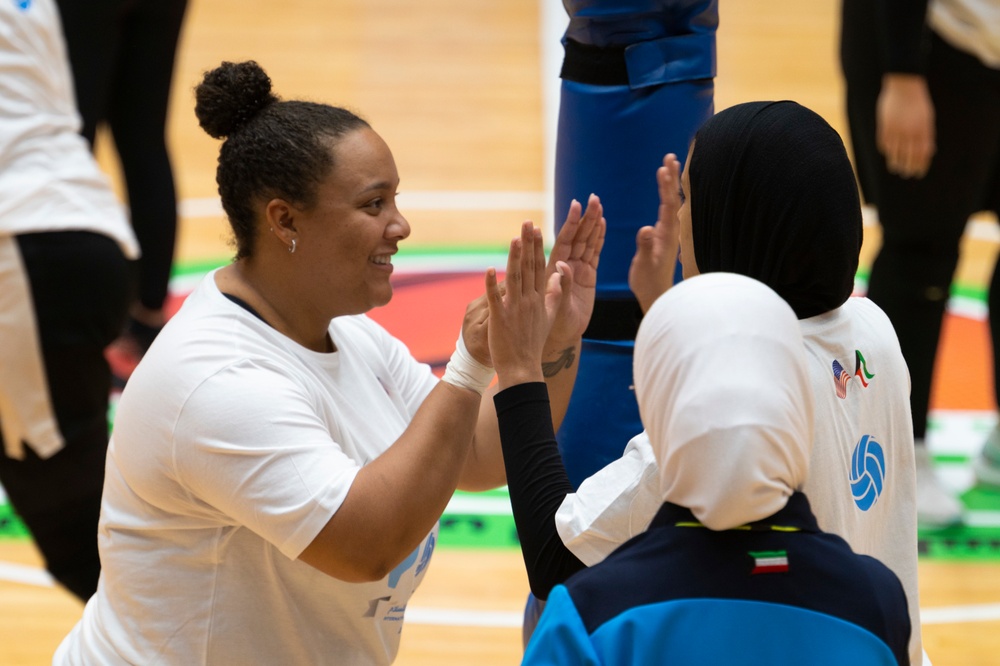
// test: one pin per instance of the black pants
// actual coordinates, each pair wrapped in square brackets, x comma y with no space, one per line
[923,219]
[80,297]
[122,56]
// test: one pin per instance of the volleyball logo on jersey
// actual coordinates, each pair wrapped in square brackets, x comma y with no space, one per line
[841,376]
[867,472]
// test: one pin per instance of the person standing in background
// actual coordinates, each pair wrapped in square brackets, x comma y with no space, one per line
[64,246]
[923,98]
[122,56]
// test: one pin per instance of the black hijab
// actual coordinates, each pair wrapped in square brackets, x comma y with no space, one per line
[774,198]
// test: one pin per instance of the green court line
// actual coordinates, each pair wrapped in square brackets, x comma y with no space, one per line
[202,266]
[972,292]
[497,531]
[10,525]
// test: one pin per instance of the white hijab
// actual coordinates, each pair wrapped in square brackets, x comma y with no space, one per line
[723,391]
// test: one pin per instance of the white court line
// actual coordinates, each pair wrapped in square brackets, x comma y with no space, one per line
[957,614]
[20,573]
[488,506]
[417,200]
[464,617]
[981,518]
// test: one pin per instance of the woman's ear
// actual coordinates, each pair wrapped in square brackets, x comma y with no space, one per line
[280,217]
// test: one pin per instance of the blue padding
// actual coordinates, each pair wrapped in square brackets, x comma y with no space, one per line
[671,59]
[603,414]
[611,141]
[616,23]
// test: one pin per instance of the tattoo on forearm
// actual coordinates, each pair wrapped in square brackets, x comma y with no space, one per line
[566,359]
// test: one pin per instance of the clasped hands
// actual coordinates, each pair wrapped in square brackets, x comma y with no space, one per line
[539,306]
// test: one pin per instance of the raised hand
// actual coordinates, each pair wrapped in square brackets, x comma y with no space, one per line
[651,272]
[475,331]
[520,314]
[578,246]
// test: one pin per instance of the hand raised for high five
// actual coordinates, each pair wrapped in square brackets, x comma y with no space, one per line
[651,273]
[578,246]
[521,314]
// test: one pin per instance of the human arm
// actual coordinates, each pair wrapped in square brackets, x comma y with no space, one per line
[537,482]
[612,505]
[904,110]
[395,499]
[578,245]
[651,272]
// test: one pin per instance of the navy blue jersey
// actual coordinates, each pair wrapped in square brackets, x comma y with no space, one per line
[776,592]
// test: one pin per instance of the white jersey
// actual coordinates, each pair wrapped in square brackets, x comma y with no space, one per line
[861,483]
[233,447]
[49,180]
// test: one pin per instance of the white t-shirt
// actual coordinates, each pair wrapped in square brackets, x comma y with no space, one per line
[233,446]
[619,501]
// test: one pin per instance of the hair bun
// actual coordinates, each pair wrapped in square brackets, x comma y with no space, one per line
[230,95]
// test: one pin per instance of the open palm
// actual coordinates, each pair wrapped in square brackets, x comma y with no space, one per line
[652,270]
[579,245]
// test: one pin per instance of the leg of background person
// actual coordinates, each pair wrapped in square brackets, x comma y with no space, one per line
[138,119]
[923,221]
[91,31]
[911,283]
[59,497]
[987,463]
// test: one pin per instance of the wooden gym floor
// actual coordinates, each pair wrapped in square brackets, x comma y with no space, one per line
[462,92]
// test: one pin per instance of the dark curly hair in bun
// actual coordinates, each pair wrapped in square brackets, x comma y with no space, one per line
[272,149]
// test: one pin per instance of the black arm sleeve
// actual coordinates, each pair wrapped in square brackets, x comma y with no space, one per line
[537,481]
[901,26]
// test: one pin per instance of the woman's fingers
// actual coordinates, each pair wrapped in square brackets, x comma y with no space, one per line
[538,260]
[513,278]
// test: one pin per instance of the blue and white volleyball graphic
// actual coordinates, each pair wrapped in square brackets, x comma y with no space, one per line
[867,472]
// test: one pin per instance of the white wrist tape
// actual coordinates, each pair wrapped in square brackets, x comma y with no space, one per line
[466,372]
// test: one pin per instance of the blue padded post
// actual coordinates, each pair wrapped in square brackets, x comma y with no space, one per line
[611,139]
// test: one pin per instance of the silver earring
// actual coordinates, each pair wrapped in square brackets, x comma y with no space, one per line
[291,250]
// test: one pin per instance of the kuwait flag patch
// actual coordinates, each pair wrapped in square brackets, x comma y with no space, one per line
[769,561]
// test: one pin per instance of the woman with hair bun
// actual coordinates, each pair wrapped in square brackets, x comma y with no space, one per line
[279,461]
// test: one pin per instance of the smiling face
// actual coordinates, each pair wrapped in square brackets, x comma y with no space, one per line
[688,265]
[349,237]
